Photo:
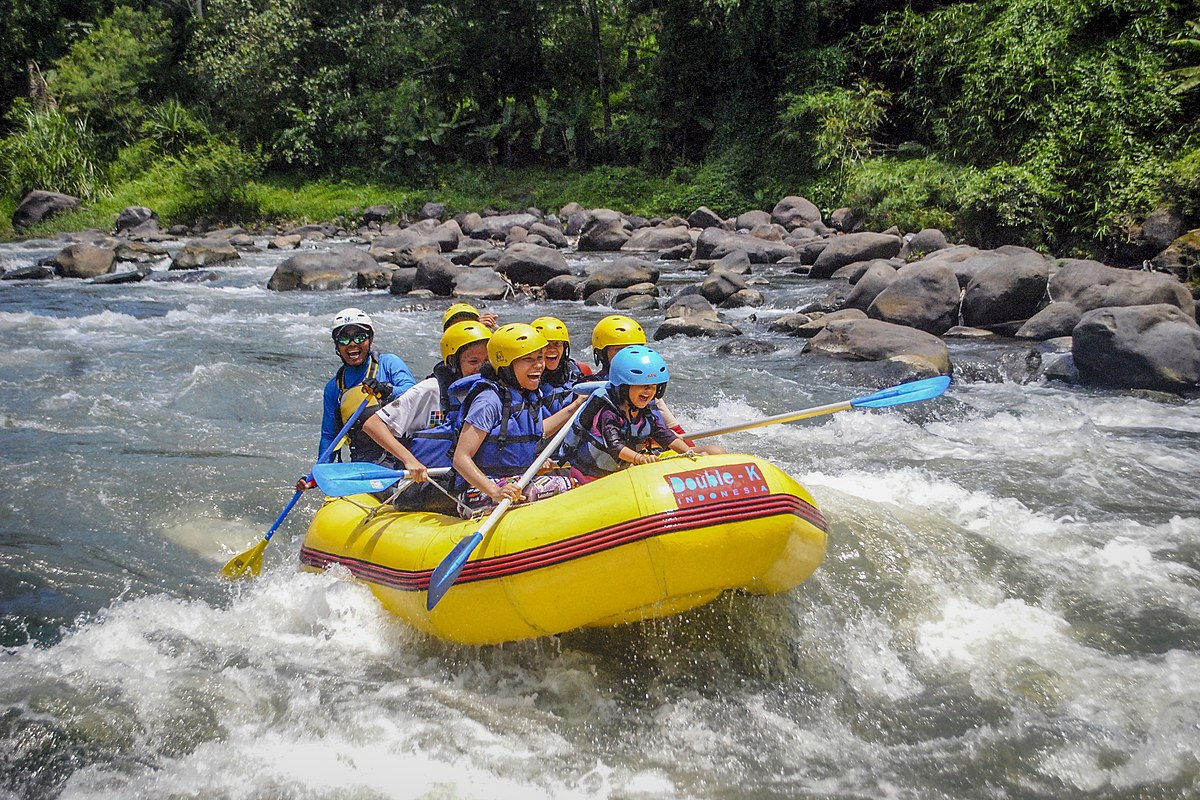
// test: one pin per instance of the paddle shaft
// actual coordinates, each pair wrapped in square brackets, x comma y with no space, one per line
[791,416]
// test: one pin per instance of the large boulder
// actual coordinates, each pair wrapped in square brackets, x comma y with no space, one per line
[878,276]
[847,249]
[749,219]
[806,326]
[40,205]
[531,264]
[1181,257]
[874,340]
[619,274]
[692,315]
[720,285]
[137,221]
[652,240]
[923,296]
[438,274]
[715,243]
[321,270]
[204,253]
[405,248]
[499,226]
[1089,285]
[704,217]
[922,243]
[1138,347]
[1011,289]
[795,212]
[83,261]
[604,230]
[1052,322]
[565,287]
[480,284]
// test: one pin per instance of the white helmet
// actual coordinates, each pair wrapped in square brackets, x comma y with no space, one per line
[351,316]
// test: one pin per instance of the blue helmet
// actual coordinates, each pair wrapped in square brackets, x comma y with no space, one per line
[638,365]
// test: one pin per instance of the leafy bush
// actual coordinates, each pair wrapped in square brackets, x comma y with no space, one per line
[1007,204]
[48,150]
[1180,183]
[838,124]
[171,127]
[910,194]
[217,176]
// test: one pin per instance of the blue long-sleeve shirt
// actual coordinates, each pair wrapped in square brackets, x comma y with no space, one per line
[392,369]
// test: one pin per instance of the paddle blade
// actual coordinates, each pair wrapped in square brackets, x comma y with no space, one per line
[355,477]
[247,563]
[913,392]
[447,572]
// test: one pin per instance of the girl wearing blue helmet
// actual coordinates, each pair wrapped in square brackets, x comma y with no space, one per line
[621,422]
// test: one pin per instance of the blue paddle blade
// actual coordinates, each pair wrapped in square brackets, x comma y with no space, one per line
[447,572]
[355,477]
[913,392]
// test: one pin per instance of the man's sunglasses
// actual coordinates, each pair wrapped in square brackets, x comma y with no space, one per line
[357,338]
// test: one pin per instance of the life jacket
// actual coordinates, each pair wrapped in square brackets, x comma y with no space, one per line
[512,445]
[558,392]
[585,448]
[362,446]
[434,447]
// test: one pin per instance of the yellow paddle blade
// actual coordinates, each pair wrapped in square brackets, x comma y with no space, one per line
[247,562]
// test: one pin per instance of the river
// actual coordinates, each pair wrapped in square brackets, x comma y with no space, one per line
[1009,608]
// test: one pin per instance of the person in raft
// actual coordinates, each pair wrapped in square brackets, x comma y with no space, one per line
[503,421]
[620,423]
[465,312]
[418,424]
[562,373]
[364,375]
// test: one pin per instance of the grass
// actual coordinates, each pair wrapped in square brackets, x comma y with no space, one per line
[289,199]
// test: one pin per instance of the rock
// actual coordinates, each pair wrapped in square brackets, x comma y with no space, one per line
[716,243]
[471,250]
[923,296]
[551,234]
[689,303]
[124,276]
[807,326]
[768,232]
[878,276]
[1011,289]
[1181,257]
[847,220]
[810,251]
[437,274]
[447,235]
[744,298]
[736,262]
[1053,321]
[485,260]
[480,284]
[851,247]
[651,240]
[377,276]
[204,253]
[853,273]
[1090,284]
[680,252]
[133,218]
[432,210]
[565,287]
[1138,347]
[794,212]
[747,220]
[380,213]
[922,243]
[405,249]
[83,261]
[695,327]
[290,242]
[402,280]
[719,286]
[876,340]
[605,230]
[40,205]
[182,276]
[140,252]
[704,217]
[497,227]
[965,332]
[37,272]
[746,347]
[321,270]
[530,264]
[618,274]
[636,302]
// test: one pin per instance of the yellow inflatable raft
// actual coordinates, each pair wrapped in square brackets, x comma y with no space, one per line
[647,542]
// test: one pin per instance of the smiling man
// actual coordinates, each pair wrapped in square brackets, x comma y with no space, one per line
[353,334]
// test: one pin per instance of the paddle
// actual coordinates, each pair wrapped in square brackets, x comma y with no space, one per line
[913,392]
[360,477]
[447,572]
[251,560]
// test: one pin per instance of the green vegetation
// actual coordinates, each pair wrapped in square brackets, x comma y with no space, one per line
[1053,123]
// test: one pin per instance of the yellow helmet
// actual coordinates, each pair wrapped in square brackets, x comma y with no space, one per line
[617,329]
[461,334]
[553,328]
[513,341]
[459,309]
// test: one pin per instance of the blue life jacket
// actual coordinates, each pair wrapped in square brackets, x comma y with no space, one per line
[557,396]
[434,447]
[585,448]
[362,446]
[512,444]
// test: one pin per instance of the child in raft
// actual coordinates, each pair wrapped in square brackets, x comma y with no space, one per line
[562,373]
[503,421]
[619,424]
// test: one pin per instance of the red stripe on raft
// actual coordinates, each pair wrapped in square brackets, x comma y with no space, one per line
[578,546]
